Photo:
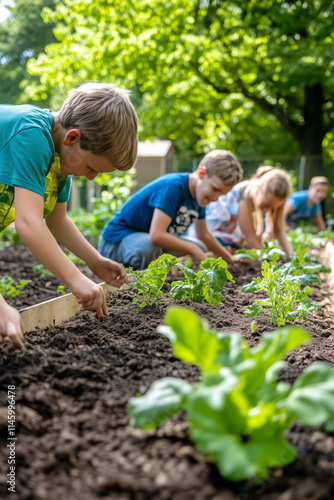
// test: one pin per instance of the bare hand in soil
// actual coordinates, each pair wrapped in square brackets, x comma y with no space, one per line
[91,297]
[10,325]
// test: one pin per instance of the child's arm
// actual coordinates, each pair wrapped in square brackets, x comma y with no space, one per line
[288,209]
[10,324]
[160,237]
[36,235]
[246,224]
[211,242]
[67,233]
[284,243]
[320,222]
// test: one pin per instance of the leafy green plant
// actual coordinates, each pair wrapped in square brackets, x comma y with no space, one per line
[286,301]
[10,237]
[61,289]
[304,266]
[76,260]
[238,412]
[303,237]
[205,284]
[269,252]
[149,283]
[10,289]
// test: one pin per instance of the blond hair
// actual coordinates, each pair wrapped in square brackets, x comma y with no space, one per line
[319,179]
[107,121]
[224,165]
[274,181]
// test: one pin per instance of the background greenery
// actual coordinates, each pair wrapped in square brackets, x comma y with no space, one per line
[251,76]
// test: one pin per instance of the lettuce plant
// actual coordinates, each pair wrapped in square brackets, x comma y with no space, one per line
[205,284]
[304,266]
[286,300]
[269,252]
[149,283]
[238,412]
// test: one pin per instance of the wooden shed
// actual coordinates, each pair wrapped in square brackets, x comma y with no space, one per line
[155,158]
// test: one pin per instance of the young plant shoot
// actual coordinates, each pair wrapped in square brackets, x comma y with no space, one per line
[238,412]
[286,302]
[149,283]
[205,284]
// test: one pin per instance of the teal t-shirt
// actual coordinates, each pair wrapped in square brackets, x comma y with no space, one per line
[28,159]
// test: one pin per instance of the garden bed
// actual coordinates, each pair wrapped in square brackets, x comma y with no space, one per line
[73,383]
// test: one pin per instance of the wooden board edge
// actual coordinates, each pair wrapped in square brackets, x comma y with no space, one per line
[56,311]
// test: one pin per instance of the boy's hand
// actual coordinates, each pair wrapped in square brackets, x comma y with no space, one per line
[110,272]
[10,324]
[90,296]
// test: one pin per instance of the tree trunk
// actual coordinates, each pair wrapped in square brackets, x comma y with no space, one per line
[312,135]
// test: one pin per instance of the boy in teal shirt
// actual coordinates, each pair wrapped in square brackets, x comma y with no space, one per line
[96,131]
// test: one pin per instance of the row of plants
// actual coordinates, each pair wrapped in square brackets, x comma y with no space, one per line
[286,300]
[239,413]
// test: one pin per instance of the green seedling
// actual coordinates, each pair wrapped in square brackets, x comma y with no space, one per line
[205,284]
[61,289]
[304,237]
[10,289]
[269,252]
[42,270]
[304,266]
[286,300]
[238,413]
[149,283]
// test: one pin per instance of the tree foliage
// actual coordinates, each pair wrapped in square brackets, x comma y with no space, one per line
[22,36]
[204,68]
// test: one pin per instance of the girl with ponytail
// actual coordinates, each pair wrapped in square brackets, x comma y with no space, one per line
[239,215]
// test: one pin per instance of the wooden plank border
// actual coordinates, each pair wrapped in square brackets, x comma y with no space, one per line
[56,311]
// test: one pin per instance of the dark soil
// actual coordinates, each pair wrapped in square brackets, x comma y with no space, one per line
[73,383]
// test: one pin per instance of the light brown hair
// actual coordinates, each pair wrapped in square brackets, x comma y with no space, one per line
[319,179]
[275,181]
[107,121]
[224,165]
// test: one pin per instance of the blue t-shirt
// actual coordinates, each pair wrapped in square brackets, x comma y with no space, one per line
[298,201]
[170,194]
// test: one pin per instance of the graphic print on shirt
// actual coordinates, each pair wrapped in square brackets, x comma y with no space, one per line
[184,218]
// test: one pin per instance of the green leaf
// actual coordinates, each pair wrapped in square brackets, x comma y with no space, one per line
[312,396]
[201,347]
[165,398]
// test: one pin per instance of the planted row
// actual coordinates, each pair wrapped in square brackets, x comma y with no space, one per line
[238,413]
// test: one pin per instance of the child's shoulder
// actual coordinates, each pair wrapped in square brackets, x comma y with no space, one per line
[299,195]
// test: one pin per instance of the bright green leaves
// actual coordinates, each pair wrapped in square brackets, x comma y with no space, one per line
[238,413]
[149,283]
[269,252]
[9,289]
[201,348]
[205,284]
[286,301]
[312,396]
[165,398]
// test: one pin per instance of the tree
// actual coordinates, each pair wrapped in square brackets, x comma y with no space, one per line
[206,67]
[23,35]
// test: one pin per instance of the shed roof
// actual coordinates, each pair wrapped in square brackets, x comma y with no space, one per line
[156,148]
